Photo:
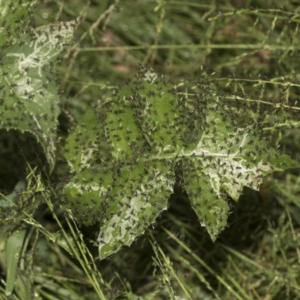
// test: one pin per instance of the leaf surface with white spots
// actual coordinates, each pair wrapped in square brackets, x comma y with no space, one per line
[157,137]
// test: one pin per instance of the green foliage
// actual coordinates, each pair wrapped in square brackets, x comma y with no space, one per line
[13,251]
[23,200]
[29,99]
[152,134]
[29,91]
[150,149]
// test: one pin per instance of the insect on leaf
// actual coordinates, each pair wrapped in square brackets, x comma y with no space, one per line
[29,91]
[155,131]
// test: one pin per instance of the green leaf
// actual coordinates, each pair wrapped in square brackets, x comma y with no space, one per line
[29,93]
[15,20]
[157,110]
[153,131]
[226,158]
[121,130]
[124,198]
[82,146]
[12,253]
